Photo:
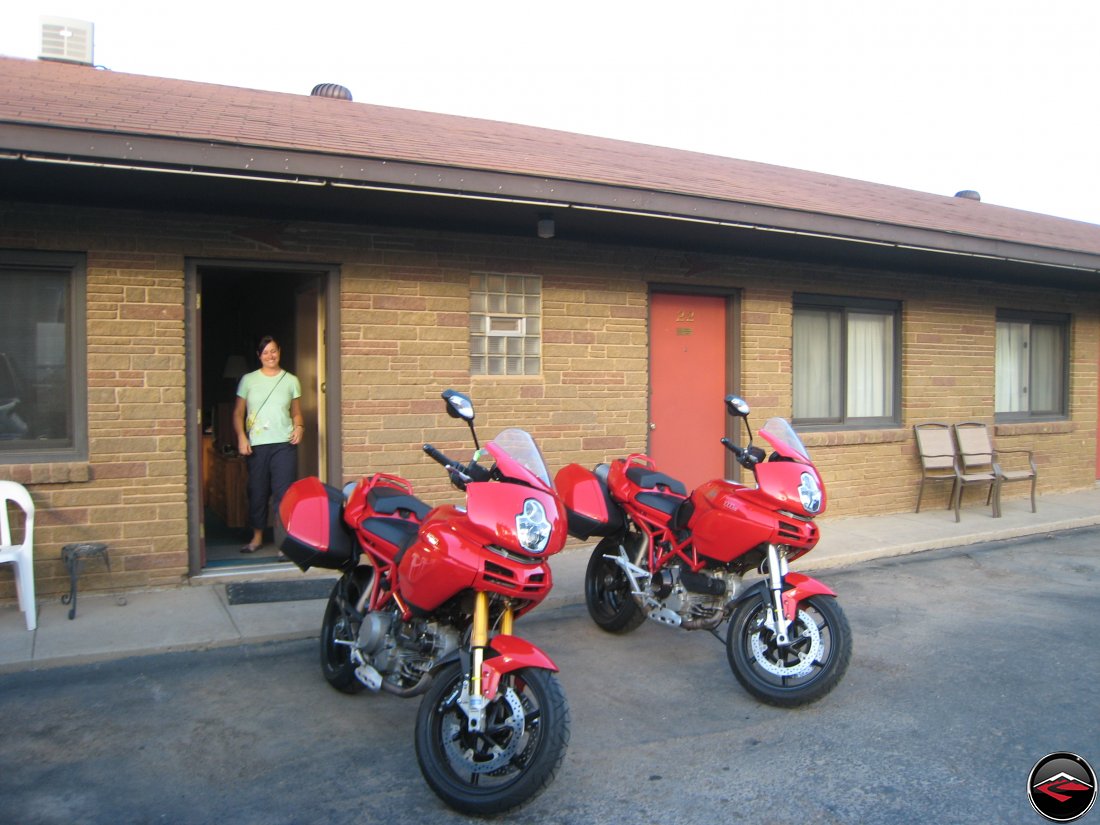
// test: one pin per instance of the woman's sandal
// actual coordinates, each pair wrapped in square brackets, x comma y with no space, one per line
[250,548]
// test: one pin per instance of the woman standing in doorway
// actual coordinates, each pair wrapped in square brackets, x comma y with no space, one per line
[268,421]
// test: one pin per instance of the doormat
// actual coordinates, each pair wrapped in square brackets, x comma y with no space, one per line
[262,592]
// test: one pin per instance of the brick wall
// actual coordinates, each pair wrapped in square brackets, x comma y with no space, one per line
[404,337]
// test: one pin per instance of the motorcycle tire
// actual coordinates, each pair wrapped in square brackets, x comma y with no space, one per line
[800,673]
[336,663]
[607,591]
[508,764]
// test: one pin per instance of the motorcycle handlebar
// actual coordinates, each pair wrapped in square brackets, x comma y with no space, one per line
[459,473]
[747,457]
[733,448]
[434,454]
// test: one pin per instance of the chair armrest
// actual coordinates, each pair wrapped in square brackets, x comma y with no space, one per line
[1028,453]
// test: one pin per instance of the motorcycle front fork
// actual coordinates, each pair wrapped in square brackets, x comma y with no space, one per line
[777,620]
[472,701]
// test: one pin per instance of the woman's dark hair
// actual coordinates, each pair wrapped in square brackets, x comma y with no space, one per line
[267,339]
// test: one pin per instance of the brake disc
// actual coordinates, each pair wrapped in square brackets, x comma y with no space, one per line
[461,745]
[761,650]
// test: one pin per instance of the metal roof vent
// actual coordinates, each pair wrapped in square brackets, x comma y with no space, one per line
[969,194]
[68,40]
[330,90]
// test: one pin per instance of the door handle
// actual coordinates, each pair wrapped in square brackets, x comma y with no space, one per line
[652,426]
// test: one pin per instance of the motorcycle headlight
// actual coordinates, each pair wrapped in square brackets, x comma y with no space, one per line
[532,527]
[809,493]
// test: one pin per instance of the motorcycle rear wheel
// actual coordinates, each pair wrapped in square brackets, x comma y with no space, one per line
[509,763]
[607,591]
[336,663]
[800,673]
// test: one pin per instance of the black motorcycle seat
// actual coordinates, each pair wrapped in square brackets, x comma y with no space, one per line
[388,501]
[659,501]
[653,480]
[399,532]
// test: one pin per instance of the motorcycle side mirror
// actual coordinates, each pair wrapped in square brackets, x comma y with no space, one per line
[458,405]
[737,406]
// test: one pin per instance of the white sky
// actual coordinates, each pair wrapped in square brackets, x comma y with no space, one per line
[1000,96]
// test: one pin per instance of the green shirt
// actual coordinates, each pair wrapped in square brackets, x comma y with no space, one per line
[267,406]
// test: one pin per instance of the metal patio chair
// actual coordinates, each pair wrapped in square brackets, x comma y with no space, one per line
[976,448]
[938,459]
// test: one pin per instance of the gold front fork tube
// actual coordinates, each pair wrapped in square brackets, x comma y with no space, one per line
[479,638]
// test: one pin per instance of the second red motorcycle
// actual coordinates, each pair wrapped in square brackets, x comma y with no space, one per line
[680,559]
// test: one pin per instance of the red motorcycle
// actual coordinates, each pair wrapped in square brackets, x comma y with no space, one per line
[426,605]
[680,560]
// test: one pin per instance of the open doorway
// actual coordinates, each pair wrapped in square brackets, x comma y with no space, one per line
[236,307]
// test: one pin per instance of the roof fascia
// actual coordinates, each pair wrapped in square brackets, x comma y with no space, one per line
[48,144]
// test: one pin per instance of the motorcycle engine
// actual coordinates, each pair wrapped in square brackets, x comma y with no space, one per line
[697,599]
[404,652]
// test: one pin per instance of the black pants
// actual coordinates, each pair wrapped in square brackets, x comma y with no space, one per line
[272,468]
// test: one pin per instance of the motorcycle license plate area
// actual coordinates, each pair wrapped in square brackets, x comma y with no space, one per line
[309,527]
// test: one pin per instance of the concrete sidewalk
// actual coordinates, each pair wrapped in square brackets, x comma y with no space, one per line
[198,615]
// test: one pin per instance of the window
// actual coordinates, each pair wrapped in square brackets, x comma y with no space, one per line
[845,360]
[42,404]
[1032,365]
[505,324]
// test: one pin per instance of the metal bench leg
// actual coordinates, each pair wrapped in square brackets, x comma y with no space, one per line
[73,555]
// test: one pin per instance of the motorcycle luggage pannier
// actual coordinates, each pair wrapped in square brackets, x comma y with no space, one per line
[309,527]
[588,503]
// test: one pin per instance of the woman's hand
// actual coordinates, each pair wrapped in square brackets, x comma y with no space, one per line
[243,446]
[296,435]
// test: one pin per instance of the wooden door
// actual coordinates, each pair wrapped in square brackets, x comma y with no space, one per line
[688,370]
[309,367]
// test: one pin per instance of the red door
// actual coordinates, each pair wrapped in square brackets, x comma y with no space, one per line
[687,381]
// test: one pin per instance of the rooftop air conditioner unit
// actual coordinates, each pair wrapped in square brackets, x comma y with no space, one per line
[65,39]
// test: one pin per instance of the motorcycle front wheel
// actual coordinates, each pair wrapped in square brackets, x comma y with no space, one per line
[796,674]
[340,626]
[512,761]
[607,591]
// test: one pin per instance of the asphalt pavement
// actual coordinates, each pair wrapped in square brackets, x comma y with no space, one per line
[201,615]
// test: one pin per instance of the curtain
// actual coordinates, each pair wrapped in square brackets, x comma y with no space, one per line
[1012,367]
[1047,359]
[870,365]
[816,364]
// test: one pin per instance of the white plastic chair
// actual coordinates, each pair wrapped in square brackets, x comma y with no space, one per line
[21,555]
